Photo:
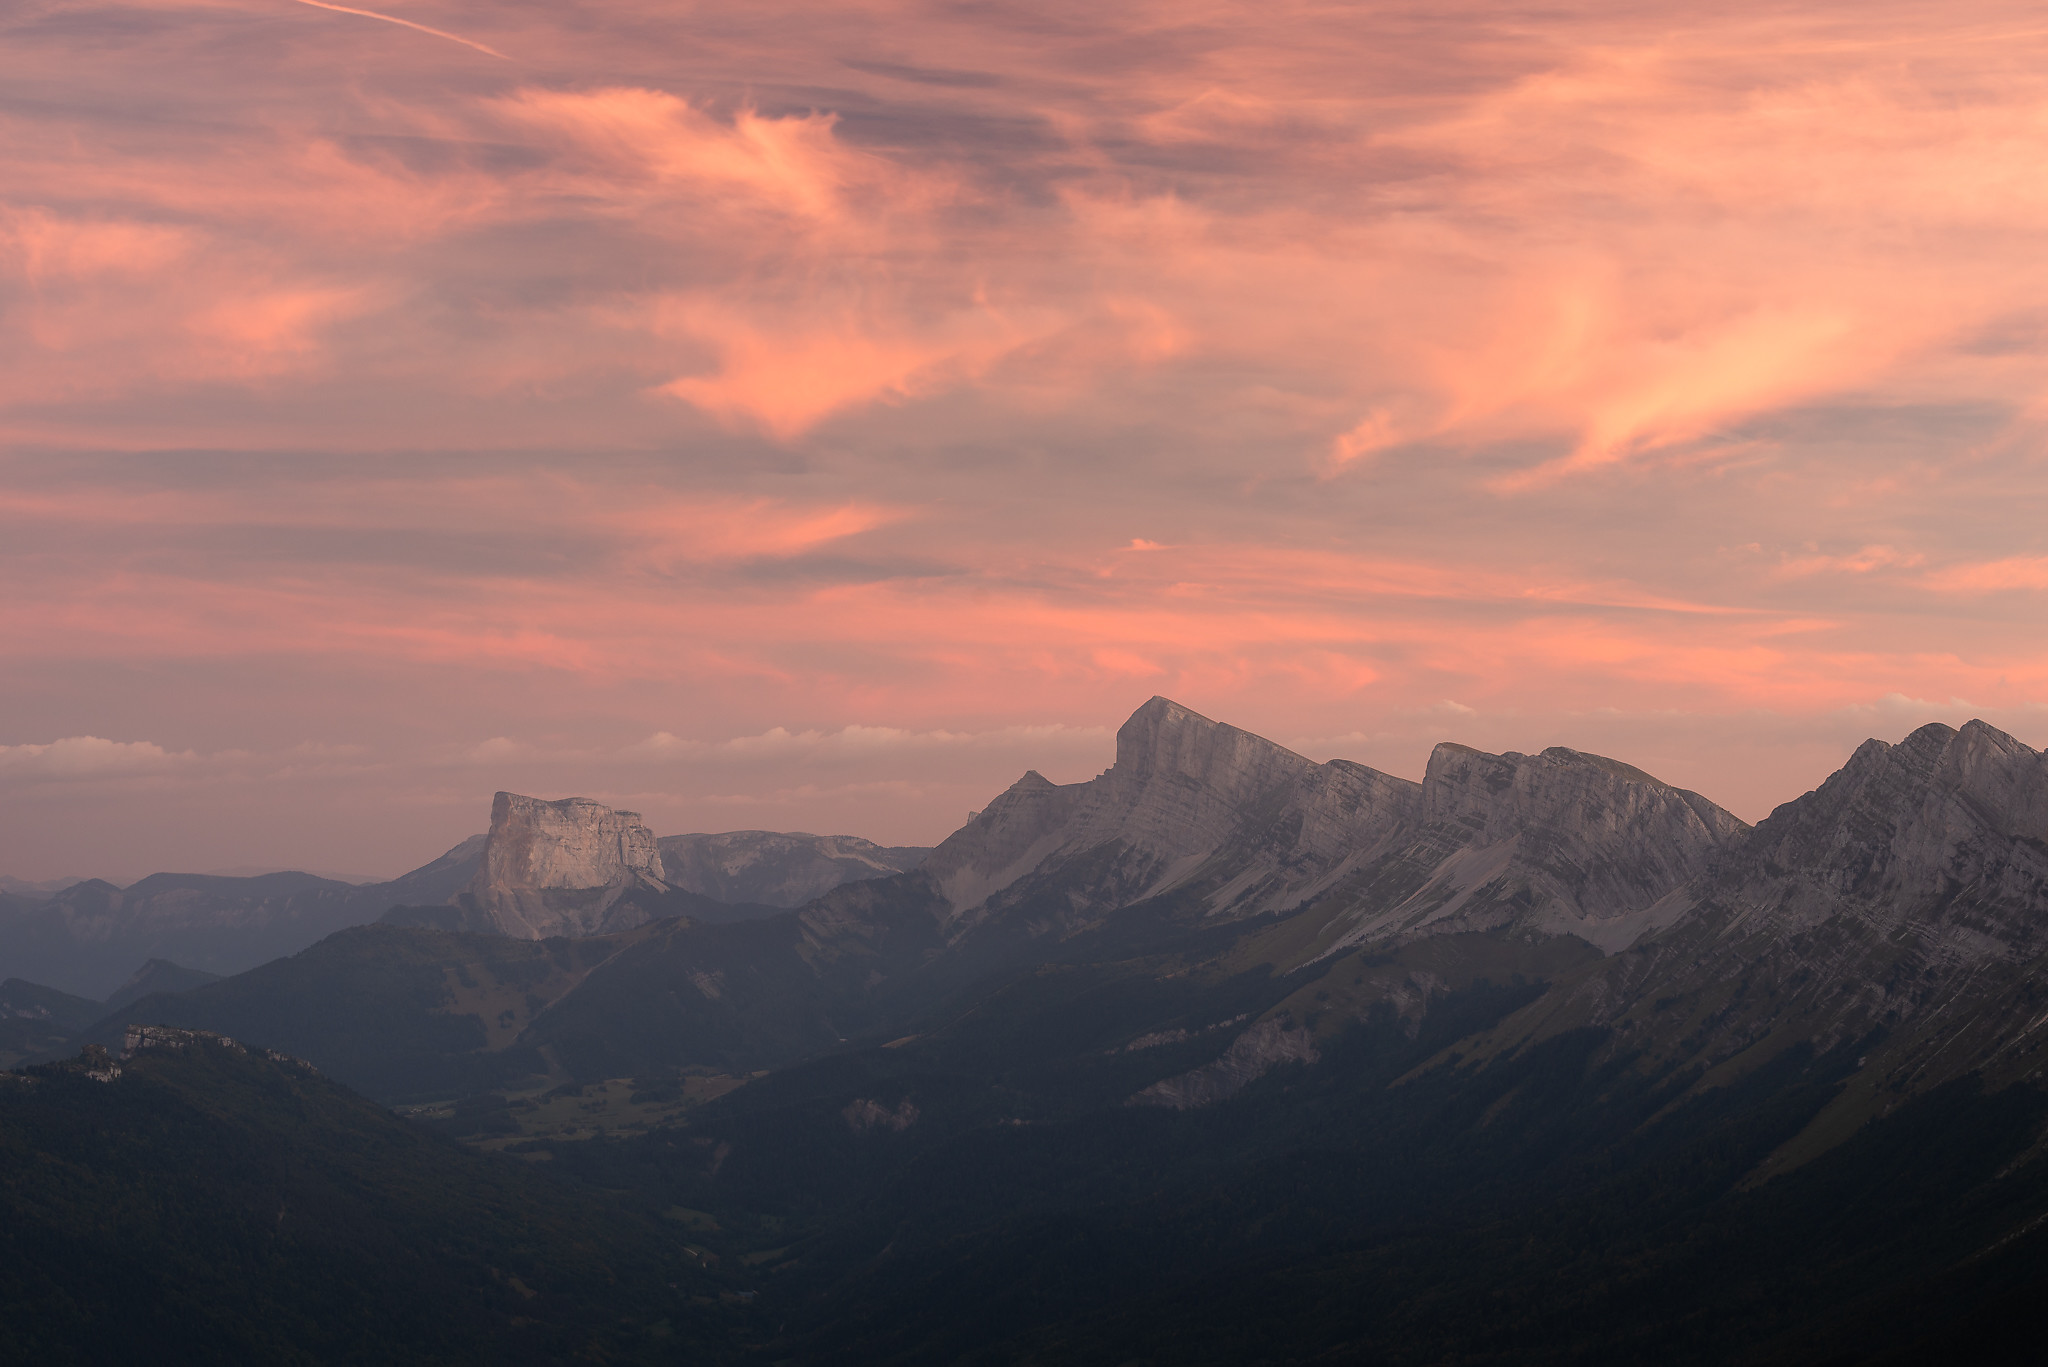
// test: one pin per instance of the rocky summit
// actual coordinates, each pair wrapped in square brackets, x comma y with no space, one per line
[563,868]
[1897,914]
[1191,806]
[1557,843]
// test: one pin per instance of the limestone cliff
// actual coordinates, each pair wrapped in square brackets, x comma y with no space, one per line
[563,868]
[1219,816]
[1557,843]
[1233,826]
[1899,912]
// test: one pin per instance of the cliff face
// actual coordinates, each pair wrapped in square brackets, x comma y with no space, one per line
[775,868]
[1233,822]
[1940,837]
[1898,913]
[563,868]
[1557,843]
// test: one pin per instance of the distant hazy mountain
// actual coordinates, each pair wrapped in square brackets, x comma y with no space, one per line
[158,975]
[778,868]
[89,937]
[37,1020]
[1231,826]
[24,888]
[567,867]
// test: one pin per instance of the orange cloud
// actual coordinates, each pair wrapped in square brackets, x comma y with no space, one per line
[787,382]
[622,138]
[837,371]
[1863,561]
[1992,576]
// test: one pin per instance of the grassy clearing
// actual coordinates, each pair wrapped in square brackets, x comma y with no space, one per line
[616,1107]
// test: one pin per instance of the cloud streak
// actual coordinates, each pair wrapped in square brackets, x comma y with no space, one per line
[838,376]
[407,23]
[86,757]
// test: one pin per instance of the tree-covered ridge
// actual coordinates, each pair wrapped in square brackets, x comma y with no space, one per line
[211,1203]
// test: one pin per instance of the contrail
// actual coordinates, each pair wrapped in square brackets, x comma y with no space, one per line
[393,19]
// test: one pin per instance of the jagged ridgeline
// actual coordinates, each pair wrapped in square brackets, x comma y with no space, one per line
[545,868]
[1227,1055]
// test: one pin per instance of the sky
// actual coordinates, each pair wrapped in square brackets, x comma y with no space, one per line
[808,416]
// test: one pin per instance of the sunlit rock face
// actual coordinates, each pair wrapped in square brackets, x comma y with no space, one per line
[563,868]
[1556,843]
[1233,822]
[1904,836]
[1894,920]
[1916,875]
[778,868]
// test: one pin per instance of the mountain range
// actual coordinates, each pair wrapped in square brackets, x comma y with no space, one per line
[88,936]
[1916,874]
[1226,1054]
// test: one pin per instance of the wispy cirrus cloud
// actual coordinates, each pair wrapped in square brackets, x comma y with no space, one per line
[799,372]
[1992,576]
[868,741]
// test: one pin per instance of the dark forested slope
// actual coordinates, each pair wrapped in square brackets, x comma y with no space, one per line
[201,1202]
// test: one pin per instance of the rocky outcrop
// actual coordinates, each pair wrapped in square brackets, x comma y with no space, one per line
[1899,912]
[1558,843]
[863,1116]
[137,1039]
[1231,823]
[778,868]
[1231,826]
[1940,837]
[140,1037]
[563,868]
[1251,1056]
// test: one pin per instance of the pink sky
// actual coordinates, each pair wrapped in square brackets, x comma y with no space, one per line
[811,416]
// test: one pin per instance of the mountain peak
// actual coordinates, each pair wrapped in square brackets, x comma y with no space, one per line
[1559,842]
[553,868]
[1928,792]
[1163,737]
[1559,754]
[1186,798]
